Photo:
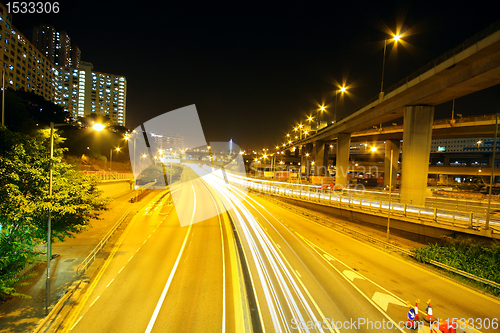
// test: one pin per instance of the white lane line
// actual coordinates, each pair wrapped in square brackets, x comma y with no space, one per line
[172,273]
[130,258]
[94,301]
[110,283]
[76,323]
[121,270]
[298,273]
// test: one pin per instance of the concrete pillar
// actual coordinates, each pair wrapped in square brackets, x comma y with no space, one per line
[320,159]
[394,146]
[417,135]
[343,148]
[490,160]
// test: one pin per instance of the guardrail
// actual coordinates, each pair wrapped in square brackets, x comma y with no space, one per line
[396,248]
[91,257]
[349,200]
[107,175]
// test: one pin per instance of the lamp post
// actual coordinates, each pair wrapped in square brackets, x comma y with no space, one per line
[49,222]
[49,218]
[341,90]
[318,119]
[299,128]
[111,156]
[396,38]
[390,197]
[3,93]
[487,222]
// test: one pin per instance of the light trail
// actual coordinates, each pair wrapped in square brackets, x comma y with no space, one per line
[297,303]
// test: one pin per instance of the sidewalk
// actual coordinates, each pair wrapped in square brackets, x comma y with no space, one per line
[22,315]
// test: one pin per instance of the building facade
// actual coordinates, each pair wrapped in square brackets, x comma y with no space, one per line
[84,91]
[56,72]
[56,46]
[24,65]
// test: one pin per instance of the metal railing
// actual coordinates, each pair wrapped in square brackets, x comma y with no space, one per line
[392,247]
[106,175]
[356,201]
[91,257]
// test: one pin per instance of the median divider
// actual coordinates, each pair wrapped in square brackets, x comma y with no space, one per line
[242,315]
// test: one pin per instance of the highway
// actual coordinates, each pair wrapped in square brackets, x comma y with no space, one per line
[295,275]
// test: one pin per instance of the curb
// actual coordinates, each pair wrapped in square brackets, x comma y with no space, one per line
[45,323]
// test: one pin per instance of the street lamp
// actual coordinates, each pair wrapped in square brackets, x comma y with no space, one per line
[111,156]
[341,90]
[396,38]
[390,197]
[3,93]
[299,128]
[318,114]
[98,127]
[487,222]
[49,218]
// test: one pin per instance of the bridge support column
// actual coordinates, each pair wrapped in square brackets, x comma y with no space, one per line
[394,146]
[417,138]
[320,159]
[342,164]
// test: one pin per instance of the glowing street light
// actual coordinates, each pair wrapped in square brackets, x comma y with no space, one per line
[340,91]
[98,127]
[373,149]
[117,149]
[395,38]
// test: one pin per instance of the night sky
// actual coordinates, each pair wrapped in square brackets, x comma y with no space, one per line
[254,71]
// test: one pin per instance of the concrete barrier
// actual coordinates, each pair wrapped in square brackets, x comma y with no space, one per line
[115,188]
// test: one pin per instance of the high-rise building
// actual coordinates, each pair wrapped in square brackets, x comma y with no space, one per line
[25,66]
[56,72]
[56,46]
[83,91]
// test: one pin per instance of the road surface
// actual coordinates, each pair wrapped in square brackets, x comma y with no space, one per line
[245,264]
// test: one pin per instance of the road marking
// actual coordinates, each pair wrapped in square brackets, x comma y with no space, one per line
[76,323]
[172,273]
[298,273]
[317,249]
[352,275]
[130,258]
[383,300]
[121,269]
[110,283]
[94,302]
[306,305]
[329,257]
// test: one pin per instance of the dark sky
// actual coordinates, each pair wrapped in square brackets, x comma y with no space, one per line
[253,71]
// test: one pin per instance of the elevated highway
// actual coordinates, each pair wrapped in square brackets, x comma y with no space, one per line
[470,67]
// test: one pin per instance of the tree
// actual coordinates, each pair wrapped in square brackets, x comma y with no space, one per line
[24,182]
[26,111]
